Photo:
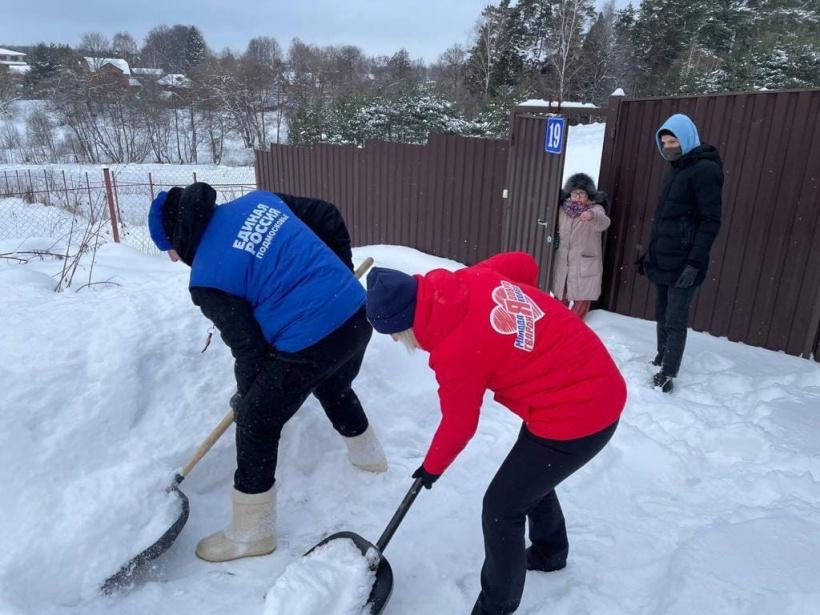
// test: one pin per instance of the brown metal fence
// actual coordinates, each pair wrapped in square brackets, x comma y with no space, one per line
[456,197]
[763,285]
[444,198]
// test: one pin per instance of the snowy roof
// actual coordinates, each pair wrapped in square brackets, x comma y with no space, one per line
[19,69]
[95,64]
[618,92]
[176,80]
[147,71]
[535,102]
[134,83]
[10,52]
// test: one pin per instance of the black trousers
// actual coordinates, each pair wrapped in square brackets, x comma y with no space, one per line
[672,316]
[326,369]
[524,488]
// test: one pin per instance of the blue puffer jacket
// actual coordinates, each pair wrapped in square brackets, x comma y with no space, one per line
[256,248]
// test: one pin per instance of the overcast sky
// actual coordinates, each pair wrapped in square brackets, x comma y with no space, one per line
[380,27]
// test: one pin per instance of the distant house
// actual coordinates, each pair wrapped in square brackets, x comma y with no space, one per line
[174,80]
[144,75]
[8,56]
[13,63]
[113,68]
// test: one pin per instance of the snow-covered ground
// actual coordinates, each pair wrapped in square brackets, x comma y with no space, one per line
[705,501]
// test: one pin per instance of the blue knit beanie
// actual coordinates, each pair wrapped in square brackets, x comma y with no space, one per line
[155,225]
[391,300]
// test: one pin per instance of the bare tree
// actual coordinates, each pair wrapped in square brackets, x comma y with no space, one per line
[124,46]
[95,44]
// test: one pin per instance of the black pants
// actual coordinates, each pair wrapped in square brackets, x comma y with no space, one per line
[326,369]
[524,488]
[672,316]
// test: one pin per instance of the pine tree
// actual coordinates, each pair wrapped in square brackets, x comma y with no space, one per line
[595,79]
[495,59]
[47,63]
[195,50]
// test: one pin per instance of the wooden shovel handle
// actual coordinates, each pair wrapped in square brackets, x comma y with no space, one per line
[228,418]
[208,443]
[361,269]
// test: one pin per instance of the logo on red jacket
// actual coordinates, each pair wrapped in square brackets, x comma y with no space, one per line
[515,314]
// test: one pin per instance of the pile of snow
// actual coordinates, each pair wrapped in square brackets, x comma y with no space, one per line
[334,579]
[705,501]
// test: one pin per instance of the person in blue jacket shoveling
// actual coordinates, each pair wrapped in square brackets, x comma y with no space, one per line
[274,274]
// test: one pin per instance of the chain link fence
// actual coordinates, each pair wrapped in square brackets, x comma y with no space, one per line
[51,202]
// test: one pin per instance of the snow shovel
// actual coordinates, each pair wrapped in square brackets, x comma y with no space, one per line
[383,585]
[140,562]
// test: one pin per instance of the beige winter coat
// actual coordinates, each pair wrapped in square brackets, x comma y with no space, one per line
[578,263]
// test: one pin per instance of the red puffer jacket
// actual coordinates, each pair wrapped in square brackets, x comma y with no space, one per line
[489,327]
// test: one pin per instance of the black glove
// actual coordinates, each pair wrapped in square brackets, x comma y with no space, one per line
[687,277]
[427,479]
[236,399]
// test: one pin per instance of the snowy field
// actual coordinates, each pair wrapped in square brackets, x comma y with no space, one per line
[706,501]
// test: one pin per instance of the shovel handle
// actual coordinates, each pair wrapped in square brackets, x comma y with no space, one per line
[361,269]
[391,528]
[228,418]
[208,443]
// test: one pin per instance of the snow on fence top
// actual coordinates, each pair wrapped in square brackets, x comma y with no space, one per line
[535,102]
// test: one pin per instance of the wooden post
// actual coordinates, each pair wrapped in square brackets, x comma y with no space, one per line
[65,190]
[112,211]
[90,200]
[194,176]
[48,194]
[151,184]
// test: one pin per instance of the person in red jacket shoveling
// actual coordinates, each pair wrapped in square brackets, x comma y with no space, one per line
[489,327]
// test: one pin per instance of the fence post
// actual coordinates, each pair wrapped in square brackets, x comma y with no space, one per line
[48,194]
[151,184]
[17,175]
[6,176]
[194,176]
[65,191]
[90,200]
[112,212]
[30,184]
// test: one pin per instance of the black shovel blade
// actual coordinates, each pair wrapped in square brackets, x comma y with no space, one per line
[140,563]
[383,584]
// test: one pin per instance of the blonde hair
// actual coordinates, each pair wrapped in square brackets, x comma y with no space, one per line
[408,340]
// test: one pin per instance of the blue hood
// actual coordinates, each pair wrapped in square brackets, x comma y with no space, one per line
[155,225]
[684,130]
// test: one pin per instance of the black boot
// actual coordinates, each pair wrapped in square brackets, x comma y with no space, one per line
[658,360]
[542,563]
[663,382]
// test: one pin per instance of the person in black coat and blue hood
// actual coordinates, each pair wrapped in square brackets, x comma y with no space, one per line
[274,274]
[684,227]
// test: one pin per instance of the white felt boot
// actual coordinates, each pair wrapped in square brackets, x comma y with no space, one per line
[365,452]
[252,530]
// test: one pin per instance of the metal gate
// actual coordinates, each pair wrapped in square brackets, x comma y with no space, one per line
[533,182]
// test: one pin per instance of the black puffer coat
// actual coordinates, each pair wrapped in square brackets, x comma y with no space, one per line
[687,219]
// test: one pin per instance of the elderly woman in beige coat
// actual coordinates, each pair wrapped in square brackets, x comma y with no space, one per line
[578,265]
